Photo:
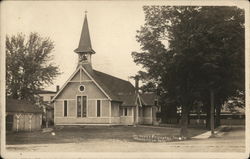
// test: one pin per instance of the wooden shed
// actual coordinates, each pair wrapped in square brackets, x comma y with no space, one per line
[21,115]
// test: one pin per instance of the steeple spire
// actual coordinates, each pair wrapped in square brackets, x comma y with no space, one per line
[84,46]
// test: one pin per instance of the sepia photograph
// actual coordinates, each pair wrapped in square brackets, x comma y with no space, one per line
[124,79]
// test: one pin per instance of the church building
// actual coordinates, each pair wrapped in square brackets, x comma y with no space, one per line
[91,97]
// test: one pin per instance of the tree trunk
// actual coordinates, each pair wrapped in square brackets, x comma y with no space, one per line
[212,111]
[208,108]
[218,110]
[184,121]
[188,119]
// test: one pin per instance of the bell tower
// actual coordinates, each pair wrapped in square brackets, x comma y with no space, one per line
[84,49]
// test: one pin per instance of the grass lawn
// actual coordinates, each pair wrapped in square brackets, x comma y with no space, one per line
[78,134]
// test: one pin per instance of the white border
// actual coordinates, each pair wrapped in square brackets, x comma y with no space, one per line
[195,155]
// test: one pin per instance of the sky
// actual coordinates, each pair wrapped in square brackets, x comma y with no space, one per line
[112,25]
[112,29]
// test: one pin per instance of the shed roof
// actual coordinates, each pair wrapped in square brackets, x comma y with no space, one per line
[45,92]
[24,106]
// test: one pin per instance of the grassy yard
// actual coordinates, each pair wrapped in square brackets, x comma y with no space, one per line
[78,134]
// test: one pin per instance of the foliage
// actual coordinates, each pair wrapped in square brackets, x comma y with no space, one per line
[189,51]
[28,66]
[236,102]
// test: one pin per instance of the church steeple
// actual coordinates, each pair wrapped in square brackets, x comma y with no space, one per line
[84,49]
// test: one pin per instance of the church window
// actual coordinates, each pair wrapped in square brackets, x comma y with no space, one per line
[65,112]
[98,108]
[125,111]
[81,106]
[81,88]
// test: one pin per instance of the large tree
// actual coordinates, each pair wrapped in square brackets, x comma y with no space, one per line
[28,65]
[193,51]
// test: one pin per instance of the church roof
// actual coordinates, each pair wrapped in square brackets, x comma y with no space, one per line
[148,98]
[85,42]
[118,89]
[115,88]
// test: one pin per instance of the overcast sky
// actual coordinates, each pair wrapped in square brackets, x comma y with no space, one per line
[112,29]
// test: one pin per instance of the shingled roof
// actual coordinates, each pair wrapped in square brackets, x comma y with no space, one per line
[21,106]
[116,88]
[148,99]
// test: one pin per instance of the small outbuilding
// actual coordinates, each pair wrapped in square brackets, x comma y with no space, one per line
[21,115]
[150,107]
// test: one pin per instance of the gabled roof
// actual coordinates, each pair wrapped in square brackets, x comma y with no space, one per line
[85,42]
[118,89]
[88,74]
[128,100]
[114,88]
[22,106]
[148,99]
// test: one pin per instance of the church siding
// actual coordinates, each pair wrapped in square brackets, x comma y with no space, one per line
[71,108]
[72,89]
[91,113]
[115,109]
[58,110]
[105,108]
[91,108]
[75,120]
[129,119]
[115,116]
[77,76]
